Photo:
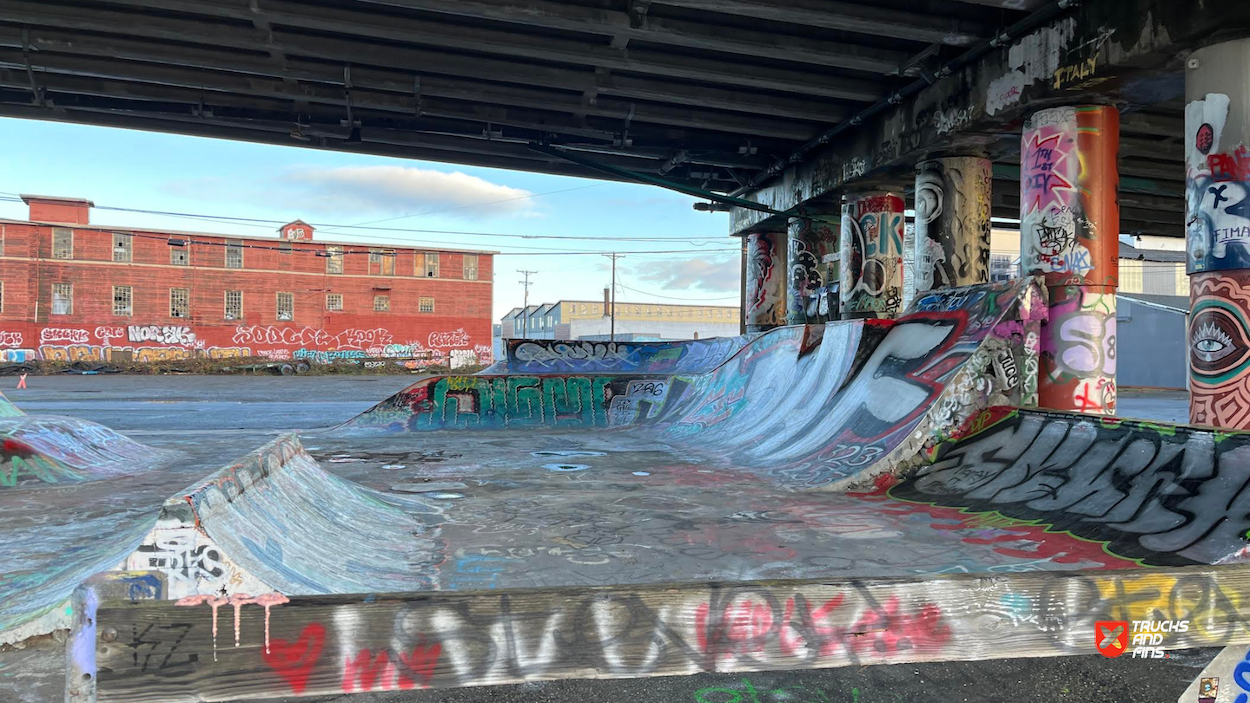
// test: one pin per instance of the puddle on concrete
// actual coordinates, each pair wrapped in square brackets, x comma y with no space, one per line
[568,452]
[345,460]
[642,473]
[445,496]
[393,466]
[566,467]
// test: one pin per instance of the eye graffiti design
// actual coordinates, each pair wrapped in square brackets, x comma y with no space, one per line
[1220,344]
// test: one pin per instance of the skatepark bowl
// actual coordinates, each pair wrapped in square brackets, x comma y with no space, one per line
[860,492]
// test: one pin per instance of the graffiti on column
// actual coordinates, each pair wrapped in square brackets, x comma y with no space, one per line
[1079,352]
[765,281]
[1217,219]
[1219,349]
[872,242]
[952,242]
[1061,211]
[812,292]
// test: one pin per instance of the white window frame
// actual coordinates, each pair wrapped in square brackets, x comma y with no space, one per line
[123,245]
[226,311]
[335,297]
[290,297]
[334,260]
[422,304]
[470,267]
[384,301]
[129,309]
[174,294]
[67,237]
[183,253]
[431,265]
[68,308]
[234,248]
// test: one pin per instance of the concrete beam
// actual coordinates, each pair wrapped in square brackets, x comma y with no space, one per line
[1108,51]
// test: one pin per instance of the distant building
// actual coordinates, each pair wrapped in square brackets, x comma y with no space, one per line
[638,322]
[73,291]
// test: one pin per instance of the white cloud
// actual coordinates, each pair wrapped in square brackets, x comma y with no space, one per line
[399,190]
[712,273]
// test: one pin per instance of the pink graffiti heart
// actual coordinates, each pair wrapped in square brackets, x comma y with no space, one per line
[294,661]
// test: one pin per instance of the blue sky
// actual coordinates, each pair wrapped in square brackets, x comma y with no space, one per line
[152,171]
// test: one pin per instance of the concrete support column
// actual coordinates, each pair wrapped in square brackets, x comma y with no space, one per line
[812,288]
[765,281]
[1069,233]
[872,254]
[1217,180]
[952,240]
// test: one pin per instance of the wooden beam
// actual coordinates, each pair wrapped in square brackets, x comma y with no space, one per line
[341,644]
[851,17]
[369,29]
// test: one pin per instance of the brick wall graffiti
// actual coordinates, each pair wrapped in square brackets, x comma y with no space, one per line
[1165,495]
[161,334]
[815,277]
[766,281]
[1219,349]
[952,241]
[1078,358]
[872,241]
[330,645]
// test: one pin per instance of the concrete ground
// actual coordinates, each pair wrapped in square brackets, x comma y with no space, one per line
[212,415]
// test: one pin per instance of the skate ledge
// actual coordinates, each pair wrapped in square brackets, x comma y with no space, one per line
[129,645]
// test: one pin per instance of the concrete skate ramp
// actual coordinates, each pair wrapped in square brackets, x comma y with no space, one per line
[828,405]
[50,449]
[275,521]
[533,356]
[1157,494]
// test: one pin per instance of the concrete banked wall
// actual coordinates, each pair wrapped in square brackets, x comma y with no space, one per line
[821,405]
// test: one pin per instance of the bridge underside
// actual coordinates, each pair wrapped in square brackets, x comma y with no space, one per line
[739,96]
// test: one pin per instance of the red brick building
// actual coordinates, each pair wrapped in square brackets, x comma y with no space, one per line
[73,290]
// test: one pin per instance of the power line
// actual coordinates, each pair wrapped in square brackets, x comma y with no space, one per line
[261,222]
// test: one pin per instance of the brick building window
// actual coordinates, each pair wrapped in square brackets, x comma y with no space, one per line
[381,303]
[180,302]
[123,301]
[285,247]
[178,256]
[470,267]
[234,305]
[123,247]
[334,302]
[334,264]
[234,256]
[62,243]
[1,296]
[381,262]
[62,298]
[427,264]
[286,307]
[425,305]
[2,234]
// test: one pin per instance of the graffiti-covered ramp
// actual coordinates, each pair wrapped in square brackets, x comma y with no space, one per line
[48,449]
[814,406]
[275,521]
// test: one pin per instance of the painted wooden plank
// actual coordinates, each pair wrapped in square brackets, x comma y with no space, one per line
[222,650]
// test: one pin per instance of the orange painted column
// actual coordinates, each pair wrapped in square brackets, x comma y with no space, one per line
[1070,234]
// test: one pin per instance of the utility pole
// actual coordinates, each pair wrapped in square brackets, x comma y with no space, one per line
[525,325]
[612,329]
